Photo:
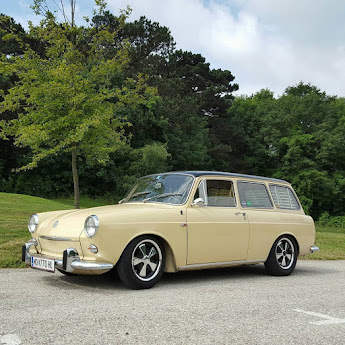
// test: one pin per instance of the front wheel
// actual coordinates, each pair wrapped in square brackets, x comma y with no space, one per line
[282,258]
[142,263]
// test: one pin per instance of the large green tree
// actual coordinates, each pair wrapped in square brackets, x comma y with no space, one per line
[72,98]
[299,137]
[191,117]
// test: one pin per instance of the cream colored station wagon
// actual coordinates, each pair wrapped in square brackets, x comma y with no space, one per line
[177,221]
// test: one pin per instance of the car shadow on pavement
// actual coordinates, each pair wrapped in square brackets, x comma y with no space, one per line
[240,274]
[217,274]
[107,281]
[110,280]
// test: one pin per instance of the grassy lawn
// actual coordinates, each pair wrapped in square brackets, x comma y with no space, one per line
[15,210]
[85,202]
[331,241]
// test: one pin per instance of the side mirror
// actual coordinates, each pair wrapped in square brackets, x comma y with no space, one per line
[199,202]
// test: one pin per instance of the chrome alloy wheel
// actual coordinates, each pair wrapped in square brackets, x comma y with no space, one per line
[146,260]
[285,253]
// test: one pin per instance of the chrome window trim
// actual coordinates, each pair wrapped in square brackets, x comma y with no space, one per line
[166,203]
[203,189]
[293,193]
[267,191]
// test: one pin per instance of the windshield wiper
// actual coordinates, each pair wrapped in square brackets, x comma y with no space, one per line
[159,196]
[138,194]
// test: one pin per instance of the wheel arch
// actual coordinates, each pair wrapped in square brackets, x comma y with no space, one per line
[170,262]
[290,235]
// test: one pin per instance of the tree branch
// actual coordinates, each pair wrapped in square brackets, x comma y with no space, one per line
[64,13]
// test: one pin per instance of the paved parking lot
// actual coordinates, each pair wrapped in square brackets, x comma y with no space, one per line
[231,306]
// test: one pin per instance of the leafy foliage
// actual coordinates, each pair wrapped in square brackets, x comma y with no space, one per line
[102,81]
[326,220]
[70,100]
[297,137]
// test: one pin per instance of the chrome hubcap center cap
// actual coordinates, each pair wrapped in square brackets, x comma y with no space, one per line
[285,253]
[146,260]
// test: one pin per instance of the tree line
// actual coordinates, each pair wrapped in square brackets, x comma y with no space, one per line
[142,106]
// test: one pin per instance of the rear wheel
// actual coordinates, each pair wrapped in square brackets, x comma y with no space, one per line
[283,257]
[142,263]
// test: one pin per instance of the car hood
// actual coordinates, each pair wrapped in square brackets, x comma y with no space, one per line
[70,223]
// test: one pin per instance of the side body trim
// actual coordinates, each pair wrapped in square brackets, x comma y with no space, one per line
[219,264]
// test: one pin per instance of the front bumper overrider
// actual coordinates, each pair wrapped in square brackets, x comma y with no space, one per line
[70,259]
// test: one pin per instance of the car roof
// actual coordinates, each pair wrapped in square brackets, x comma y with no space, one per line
[198,173]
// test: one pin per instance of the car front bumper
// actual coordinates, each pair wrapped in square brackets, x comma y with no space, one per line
[70,260]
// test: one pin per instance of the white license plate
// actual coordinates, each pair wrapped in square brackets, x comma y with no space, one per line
[43,264]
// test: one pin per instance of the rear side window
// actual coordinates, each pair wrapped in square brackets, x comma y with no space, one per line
[254,195]
[284,198]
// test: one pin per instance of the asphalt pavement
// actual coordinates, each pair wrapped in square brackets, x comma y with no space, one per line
[240,305]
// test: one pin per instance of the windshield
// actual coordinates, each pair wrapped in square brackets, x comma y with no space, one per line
[164,188]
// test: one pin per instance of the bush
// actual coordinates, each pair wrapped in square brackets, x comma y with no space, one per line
[335,221]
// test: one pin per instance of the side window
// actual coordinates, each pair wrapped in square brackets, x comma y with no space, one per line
[283,197]
[220,193]
[254,195]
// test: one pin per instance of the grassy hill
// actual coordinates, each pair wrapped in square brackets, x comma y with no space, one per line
[15,210]
[331,241]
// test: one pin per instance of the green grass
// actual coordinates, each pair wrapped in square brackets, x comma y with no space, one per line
[85,202]
[331,241]
[15,210]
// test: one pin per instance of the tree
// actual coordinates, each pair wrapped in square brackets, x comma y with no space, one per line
[189,120]
[194,99]
[73,98]
[298,137]
[250,133]
[191,117]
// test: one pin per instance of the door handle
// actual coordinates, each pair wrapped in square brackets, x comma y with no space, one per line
[243,214]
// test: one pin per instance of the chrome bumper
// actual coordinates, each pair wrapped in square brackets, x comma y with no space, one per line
[314,249]
[70,260]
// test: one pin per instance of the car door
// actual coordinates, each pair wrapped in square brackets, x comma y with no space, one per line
[219,230]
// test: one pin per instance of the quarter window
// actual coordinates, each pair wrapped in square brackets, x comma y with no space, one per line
[283,197]
[254,195]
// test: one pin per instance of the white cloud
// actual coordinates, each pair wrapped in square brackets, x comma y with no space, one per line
[265,43]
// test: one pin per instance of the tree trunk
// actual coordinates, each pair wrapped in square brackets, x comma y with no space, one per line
[75,177]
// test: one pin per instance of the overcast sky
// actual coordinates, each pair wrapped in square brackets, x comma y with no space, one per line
[264,43]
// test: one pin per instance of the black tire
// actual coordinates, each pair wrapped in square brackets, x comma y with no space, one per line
[282,258]
[142,263]
[67,273]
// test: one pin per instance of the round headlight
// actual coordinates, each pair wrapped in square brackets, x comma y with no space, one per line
[91,225]
[33,222]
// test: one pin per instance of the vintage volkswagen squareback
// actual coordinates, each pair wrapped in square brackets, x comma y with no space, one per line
[177,221]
